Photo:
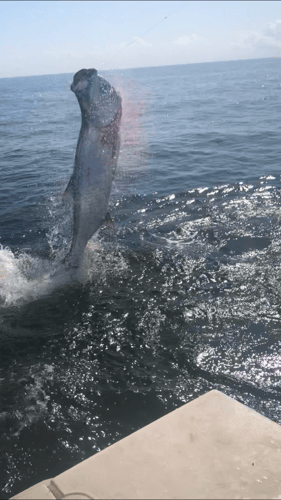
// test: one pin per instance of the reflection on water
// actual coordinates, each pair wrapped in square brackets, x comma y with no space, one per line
[181,297]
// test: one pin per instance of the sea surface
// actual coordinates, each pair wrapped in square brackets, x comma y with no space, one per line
[182,296]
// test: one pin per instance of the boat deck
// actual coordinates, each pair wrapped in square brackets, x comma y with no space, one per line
[212,447]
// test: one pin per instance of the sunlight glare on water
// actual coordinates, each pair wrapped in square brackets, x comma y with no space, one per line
[181,296]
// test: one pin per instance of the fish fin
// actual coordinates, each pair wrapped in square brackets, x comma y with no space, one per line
[108,221]
[68,195]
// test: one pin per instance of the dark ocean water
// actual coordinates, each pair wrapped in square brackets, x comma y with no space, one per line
[182,297]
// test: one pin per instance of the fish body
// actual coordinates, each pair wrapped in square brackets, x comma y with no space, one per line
[95,159]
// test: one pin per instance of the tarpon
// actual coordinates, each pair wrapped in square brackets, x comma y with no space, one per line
[95,159]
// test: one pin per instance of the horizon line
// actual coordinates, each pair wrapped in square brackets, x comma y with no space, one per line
[145,67]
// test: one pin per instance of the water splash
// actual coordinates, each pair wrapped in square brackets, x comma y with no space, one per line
[24,278]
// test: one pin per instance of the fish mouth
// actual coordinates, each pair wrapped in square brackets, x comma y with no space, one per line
[82,78]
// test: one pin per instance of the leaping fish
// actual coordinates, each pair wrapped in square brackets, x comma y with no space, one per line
[95,159]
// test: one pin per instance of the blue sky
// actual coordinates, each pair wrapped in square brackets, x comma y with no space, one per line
[64,36]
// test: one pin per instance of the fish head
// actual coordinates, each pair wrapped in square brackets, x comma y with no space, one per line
[98,100]
[85,86]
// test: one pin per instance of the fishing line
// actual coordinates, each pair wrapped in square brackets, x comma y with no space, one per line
[145,33]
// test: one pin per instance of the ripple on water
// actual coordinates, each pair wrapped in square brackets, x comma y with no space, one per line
[181,297]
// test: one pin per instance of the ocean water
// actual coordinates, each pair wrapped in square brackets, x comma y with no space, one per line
[181,297]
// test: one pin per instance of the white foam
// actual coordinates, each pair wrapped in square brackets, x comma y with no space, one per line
[25,278]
